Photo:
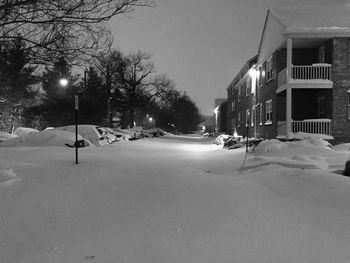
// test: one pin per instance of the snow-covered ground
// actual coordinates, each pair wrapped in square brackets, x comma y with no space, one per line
[175,199]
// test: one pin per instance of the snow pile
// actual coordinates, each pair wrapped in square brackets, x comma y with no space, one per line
[44,138]
[220,140]
[303,135]
[298,162]
[269,146]
[6,136]
[7,176]
[316,142]
[22,132]
[274,145]
[309,153]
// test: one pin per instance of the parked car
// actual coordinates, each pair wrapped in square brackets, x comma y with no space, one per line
[94,134]
[122,134]
[155,132]
[136,132]
[111,136]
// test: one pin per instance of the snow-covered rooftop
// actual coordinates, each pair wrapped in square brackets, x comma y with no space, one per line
[315,18]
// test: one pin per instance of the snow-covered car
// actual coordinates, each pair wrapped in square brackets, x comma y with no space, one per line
[155,132]
[122,134]
[111,137]
[53,137]
[93,133]
[136,132]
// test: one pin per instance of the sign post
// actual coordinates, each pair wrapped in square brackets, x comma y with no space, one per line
[76,108]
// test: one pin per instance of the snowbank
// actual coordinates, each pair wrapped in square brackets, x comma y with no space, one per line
[311,152]
[269,146]
[274,145]
[7,177]
[44,138]
[23,131]
[6,136]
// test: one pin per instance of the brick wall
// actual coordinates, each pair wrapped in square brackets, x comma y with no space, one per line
[341,84]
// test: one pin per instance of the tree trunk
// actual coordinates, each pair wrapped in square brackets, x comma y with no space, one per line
[131,117]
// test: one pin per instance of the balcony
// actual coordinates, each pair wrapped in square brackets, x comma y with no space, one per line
[313,76]
[315,126]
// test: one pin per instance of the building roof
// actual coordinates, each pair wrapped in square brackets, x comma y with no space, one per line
[313,22]
[320,18]
[209,121]
[219,101]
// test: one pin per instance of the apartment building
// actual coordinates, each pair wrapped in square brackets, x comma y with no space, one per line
[300,79]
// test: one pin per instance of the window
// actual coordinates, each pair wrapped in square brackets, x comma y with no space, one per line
[349,52]
[248,87]
[268,117]
[348,104]
[243,88]
[239,119]
[260,113]
[239,93]
[260,76]
[268,69]
[247,117]
[252,117]
[233,105]
[321,54]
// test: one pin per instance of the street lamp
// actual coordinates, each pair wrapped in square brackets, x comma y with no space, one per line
[64,83]
[216,112]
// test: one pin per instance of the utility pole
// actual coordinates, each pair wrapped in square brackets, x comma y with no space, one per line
[108,82]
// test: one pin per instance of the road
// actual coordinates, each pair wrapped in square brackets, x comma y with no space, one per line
[169,199]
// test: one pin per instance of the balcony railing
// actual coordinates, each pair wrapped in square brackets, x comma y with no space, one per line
[313,72]
[317,126]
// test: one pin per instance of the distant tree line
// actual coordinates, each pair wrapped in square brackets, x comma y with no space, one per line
[41,41]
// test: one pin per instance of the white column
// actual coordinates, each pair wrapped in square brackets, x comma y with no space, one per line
[289,89]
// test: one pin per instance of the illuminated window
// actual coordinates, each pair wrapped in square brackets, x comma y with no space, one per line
[269,69]
[268,109]
[260,113]
[248,87]
[247,117]
[239,119]
[260,74]
[252,117]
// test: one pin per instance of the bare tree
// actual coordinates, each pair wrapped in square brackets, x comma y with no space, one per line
[72,28]
[132,81]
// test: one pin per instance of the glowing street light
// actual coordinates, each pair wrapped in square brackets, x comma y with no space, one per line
[64,83]
[216,112]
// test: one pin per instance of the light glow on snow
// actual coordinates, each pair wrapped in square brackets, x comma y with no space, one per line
[198,147]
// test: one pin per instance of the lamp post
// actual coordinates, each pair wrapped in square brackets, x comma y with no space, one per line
[64,82]
[216,112]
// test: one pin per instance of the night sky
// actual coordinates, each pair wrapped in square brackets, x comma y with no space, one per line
[199,44]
